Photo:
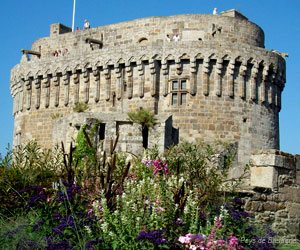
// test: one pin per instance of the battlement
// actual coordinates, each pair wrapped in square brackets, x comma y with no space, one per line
[226,28]
[58,29]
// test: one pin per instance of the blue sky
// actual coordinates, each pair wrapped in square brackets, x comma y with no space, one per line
[25,21]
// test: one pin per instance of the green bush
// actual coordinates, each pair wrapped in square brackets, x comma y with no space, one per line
[80,107]
[23,167]
[143,118]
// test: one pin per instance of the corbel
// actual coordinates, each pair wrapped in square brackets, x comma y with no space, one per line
[219,67]
[96,75]
[242,76]
[230,75]
[165,70]
[118,73]
[206,67]
[129,73]
[178,66]
[106,72]
[141,70]
[254,73]
[153,77]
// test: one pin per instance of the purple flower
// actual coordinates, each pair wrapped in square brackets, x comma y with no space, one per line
[238,201]
[154,236]
[62,245]
[89,245]
[179,222]
[36,226]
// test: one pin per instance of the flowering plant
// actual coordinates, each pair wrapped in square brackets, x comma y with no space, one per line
[160,166]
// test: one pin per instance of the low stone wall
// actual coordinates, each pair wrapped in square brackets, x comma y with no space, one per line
[65,129]
[275,195]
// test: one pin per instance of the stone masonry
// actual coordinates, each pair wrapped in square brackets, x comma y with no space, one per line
[275,195]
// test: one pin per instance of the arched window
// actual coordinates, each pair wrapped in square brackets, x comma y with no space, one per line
[143,40]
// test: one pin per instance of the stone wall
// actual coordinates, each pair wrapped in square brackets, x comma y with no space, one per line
[107,127]
[275,198]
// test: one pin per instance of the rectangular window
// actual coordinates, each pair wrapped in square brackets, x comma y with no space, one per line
[183,85]
[183,98]
[179,92]
[174,99]
[102,131]
[175,85]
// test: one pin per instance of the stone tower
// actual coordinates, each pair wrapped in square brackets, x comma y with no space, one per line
[216,82]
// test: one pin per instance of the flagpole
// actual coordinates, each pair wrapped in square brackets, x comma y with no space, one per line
[73,15]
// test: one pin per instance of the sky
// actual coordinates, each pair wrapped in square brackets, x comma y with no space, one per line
[24,21]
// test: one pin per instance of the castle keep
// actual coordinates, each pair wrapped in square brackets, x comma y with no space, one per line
[216,82]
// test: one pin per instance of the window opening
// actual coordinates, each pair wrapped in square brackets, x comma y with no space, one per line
[102,131]
[114,100]
[143,40]
[145,134]
[179,92]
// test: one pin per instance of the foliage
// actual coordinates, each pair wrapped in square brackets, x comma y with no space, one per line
[80,107]
[83,149]
[158,202]
[143,118]
[56,116]
[24,167]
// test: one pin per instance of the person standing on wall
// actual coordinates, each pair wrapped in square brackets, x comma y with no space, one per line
[176,38]
[86,25]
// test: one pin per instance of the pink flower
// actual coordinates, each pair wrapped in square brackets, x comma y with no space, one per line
[158,210]
[166,171]
[188,238]
[193,247]
[233,242]
[208,245]
[159,166]
[90,211]
[184,240]
[218,223]
[42,191]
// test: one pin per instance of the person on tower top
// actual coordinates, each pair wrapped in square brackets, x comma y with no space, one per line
[86,25]
[176,38]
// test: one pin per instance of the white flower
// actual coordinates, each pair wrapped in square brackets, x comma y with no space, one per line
[87,228]
[95,205]
[55,185]
[104,226]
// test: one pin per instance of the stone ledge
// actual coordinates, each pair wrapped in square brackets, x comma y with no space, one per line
[273,158]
